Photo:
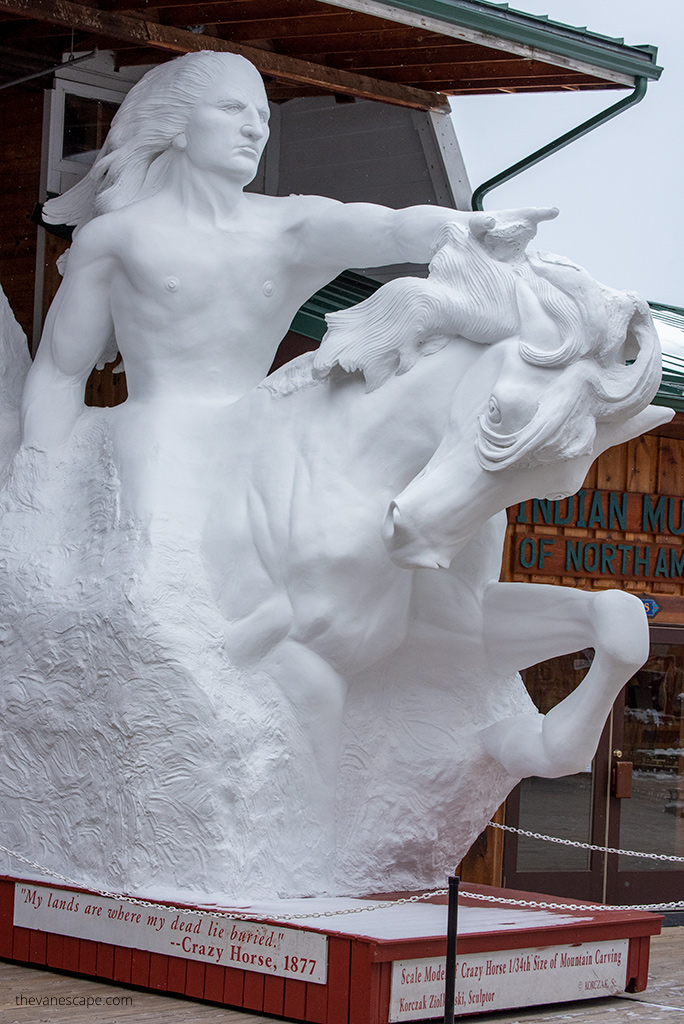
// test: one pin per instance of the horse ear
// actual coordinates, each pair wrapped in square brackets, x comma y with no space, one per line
[623,387]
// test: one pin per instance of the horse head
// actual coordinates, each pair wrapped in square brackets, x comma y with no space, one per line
[575,377]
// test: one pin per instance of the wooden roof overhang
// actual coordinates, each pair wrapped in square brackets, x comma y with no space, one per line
[413,53]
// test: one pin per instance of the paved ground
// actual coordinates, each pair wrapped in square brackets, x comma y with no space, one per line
[662,1003]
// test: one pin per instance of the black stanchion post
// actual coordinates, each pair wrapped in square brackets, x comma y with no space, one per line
[452,931]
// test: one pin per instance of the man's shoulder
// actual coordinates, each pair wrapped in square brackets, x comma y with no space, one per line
[292,210]
[111,234]
[100,235]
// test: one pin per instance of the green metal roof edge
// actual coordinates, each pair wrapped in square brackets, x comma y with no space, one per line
[667,308]
[345,291]
[671,399]
[537,30]
[671,390]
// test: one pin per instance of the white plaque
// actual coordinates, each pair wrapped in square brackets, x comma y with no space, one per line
[509,978]
[249,945]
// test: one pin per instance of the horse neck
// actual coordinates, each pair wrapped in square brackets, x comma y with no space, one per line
[399,426]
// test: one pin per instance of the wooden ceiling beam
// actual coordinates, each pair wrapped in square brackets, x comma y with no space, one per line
[373,39]
[124,6]
[239,10]
[292,26]
[176,40]
[552,83]
[504,71]
[406,56]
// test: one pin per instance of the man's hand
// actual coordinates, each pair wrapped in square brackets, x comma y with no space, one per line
[505,234]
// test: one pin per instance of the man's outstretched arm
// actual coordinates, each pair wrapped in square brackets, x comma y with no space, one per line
[78,329]
[342,235]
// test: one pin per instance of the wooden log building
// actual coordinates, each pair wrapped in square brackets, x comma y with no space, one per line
[359,93]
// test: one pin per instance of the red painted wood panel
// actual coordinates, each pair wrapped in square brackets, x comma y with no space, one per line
[87,956]
[55,951]
[140,968]
[385,985]
[339,965]
[233,986]
[194,979]
[70,951]
[637,964]
[122,964]
[274,995]
[159,971]
[317,1003]
[644,957]
[295,999]
[20,946]
[632,962]
[6,917]
[374,1010]
[38,947]
[214,979]
[177,973]
[361,995]
[253,995]
[105,960]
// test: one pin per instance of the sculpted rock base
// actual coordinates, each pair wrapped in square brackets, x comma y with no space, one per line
[128,731]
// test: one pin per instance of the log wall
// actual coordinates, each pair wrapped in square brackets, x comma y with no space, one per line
[651,465]
[21,113]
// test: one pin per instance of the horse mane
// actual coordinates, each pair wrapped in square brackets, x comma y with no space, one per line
[612,372]
[564,320]
[469,294]
[385,334]
[466,295]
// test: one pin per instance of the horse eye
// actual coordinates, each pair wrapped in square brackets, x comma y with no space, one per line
[493,410]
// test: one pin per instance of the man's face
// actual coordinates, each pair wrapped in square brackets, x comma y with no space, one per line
[228,128]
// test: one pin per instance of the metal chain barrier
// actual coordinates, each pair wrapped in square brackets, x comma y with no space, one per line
[545,905]
[585,846]
[386,904]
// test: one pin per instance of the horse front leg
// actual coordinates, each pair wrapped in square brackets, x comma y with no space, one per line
[528,623]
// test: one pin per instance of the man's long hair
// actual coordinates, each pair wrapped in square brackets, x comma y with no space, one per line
[133,162]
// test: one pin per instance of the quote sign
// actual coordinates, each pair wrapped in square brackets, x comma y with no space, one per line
[505,979]
[230,942]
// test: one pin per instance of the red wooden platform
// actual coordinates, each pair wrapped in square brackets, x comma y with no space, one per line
[372,957]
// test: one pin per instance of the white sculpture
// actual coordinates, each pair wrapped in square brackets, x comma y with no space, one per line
[230,666]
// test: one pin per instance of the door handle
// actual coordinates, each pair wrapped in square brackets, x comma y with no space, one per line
[621,779]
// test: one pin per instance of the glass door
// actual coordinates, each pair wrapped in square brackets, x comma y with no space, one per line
[649,735]
[630,797]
